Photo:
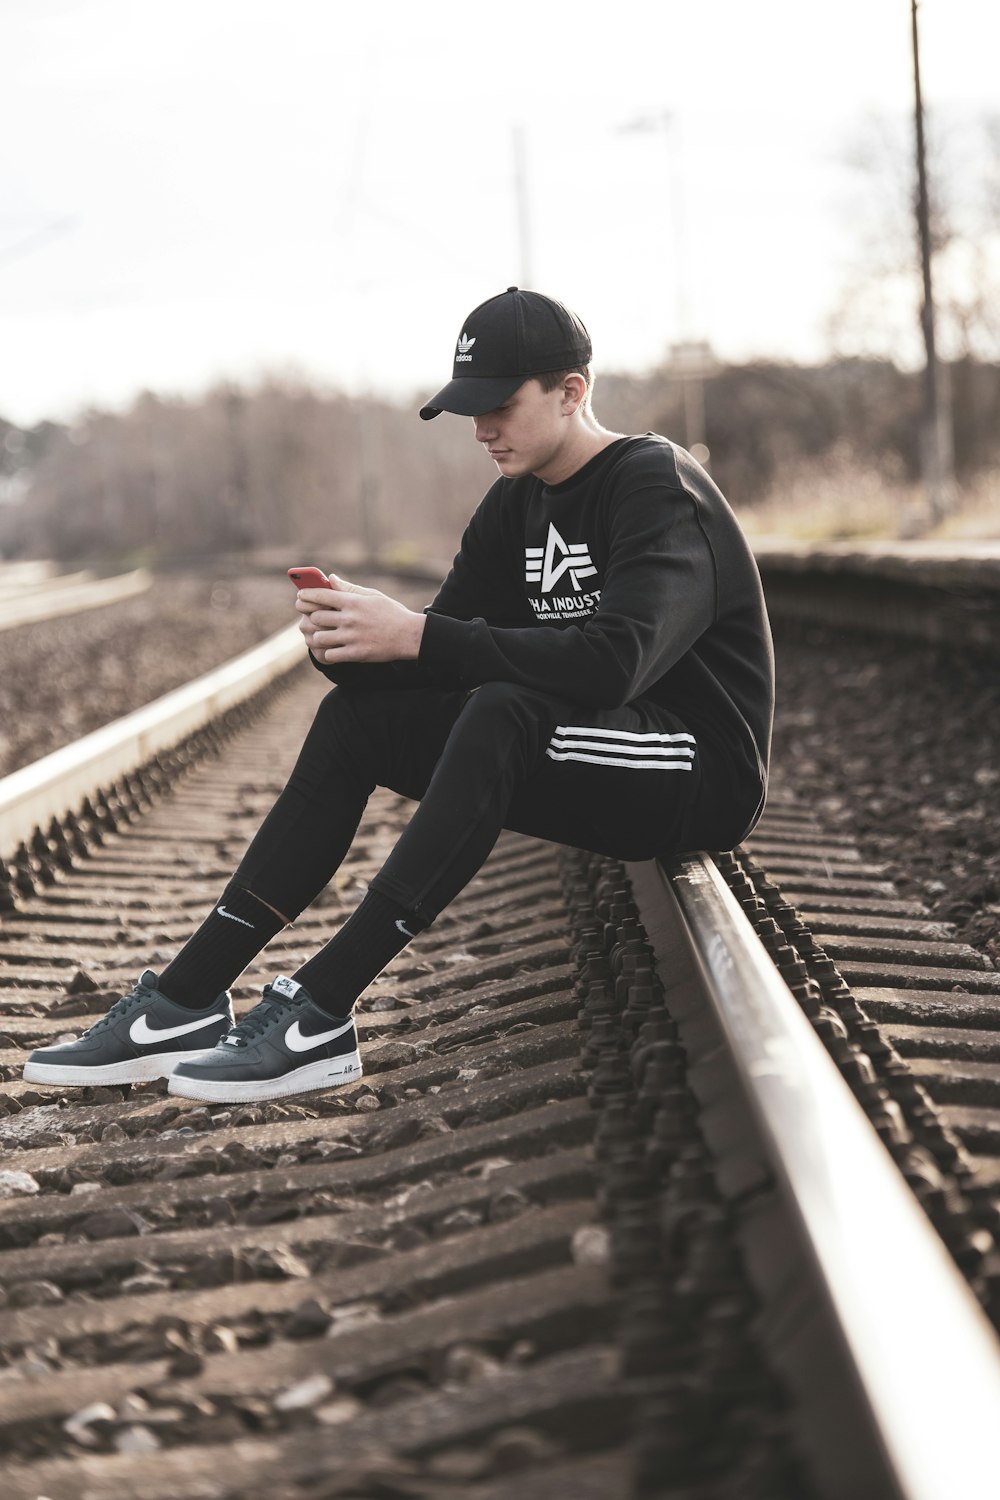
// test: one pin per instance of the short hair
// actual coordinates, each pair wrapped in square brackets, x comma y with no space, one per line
[551,380]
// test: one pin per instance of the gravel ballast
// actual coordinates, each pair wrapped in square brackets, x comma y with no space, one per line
[897,742]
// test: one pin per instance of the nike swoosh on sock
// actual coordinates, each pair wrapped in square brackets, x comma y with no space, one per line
[233,918]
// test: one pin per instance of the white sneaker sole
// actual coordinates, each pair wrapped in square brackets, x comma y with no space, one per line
[328,1074]
[134,1070]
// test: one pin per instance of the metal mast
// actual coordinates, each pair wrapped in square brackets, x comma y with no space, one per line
[938,463]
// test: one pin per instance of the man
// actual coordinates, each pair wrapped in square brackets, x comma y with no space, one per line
[596,670]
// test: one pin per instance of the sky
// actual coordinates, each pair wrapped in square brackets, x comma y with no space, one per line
[214,190]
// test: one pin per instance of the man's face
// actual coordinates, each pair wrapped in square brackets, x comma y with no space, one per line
[527,433]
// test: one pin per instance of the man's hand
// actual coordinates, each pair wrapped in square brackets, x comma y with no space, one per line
[347,623]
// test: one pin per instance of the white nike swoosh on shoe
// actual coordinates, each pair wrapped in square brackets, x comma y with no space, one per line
[142,1033]
[242,920]
[299,1043]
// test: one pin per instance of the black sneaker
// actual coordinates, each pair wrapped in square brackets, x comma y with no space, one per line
[144,1035]
[286,1045]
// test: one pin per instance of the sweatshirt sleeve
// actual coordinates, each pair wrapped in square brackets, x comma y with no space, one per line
[373,674]
[475,585]
[658,596]
[481,583]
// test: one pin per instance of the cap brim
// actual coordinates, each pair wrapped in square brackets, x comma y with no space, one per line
[471,395]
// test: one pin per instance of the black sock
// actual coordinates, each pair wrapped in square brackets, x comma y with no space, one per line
[369,939]
[230,937]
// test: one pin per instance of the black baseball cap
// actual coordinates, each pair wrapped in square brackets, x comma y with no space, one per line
[502,344]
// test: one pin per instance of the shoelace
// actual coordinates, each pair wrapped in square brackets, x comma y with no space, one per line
[119,1008]
[257,1021]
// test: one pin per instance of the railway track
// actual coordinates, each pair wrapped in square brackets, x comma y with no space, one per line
[45,598]
[521,1256]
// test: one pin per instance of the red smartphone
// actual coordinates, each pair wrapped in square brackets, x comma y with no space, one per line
[308,578]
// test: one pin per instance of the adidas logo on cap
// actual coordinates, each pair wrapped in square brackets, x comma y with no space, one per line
[464,345]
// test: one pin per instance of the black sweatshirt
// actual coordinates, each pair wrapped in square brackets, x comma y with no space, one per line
[630,579]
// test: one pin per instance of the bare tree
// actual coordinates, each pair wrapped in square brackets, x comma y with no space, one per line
[876,311]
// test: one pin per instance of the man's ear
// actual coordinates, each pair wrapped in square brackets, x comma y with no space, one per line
[574,393]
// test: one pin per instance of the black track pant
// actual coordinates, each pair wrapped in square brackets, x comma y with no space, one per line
[617,781]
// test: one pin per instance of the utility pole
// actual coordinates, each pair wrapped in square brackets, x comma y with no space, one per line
[936,445]
[368,490]
[523,210]
[689,359]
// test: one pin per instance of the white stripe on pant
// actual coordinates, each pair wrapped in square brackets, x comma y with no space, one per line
[647,751]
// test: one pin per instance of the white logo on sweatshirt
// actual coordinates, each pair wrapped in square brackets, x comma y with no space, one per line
[546,565]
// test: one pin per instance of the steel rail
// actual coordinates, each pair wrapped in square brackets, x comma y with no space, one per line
[897,1367]
[19,579]
[58,783]
[53,597]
